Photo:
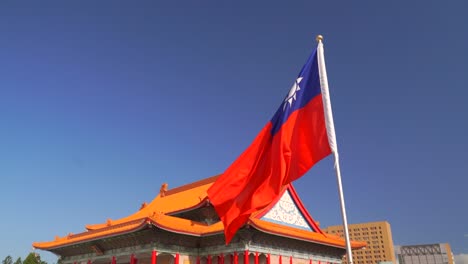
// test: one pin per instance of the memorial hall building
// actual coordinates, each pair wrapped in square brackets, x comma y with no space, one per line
[180,226]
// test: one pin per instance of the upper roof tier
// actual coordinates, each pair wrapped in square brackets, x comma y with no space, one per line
[186,210]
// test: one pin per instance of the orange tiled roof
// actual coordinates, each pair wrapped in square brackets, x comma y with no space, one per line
[181,199]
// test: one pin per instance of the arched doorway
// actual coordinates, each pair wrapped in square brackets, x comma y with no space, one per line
[262,258]
[165,258]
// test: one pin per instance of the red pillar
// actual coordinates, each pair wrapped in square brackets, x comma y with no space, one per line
[176,261]
[268,258]
[154,257]
[231,259]
[221,259]
[280,260]
[89,261]
[310,261]
[290,259]
[246,256]
[236,258]
[114,261]
[198,259]
[208,261]
[256,257]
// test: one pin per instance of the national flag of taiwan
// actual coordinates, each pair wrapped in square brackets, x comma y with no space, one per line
[286,148]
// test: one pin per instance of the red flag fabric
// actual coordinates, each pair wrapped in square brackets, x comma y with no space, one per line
[286,148]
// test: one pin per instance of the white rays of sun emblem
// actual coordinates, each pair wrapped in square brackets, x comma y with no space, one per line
[292,93]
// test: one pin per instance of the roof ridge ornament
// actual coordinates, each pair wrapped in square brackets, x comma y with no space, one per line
[163,190]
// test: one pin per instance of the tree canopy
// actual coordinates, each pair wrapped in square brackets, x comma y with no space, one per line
[32,258]
[8,260]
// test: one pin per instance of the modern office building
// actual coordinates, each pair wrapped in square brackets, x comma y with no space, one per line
[424,254]
[378,236]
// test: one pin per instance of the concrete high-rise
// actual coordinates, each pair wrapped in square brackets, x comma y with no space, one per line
[378,236]
[425,254]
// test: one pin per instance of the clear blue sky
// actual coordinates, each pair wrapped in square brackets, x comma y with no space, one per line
[103,101]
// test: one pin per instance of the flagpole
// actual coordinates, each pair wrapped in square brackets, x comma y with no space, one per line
[332,139]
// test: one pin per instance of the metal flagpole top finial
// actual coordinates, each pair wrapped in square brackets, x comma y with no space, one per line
[319,38]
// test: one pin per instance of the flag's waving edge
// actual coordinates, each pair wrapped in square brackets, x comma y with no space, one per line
[286,148]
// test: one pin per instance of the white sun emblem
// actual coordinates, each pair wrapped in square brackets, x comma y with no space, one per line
[292,93]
